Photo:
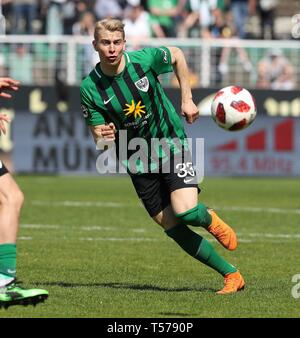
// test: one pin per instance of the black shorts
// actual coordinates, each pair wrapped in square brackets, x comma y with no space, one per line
[154,190]
[3,169]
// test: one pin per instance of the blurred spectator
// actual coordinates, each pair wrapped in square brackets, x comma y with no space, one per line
[86,24]
[219,29]
[241,52]
[69,16]
[21,64]
[219,26]
[194,80]
[223,27]
[2,21]
[85,27]
[55,17]
[241,10]
[73,11]
[199,17]
[24,13]
[137,23]
[275,71]
[266,12]
[104,9]
[2,66]
[164,14]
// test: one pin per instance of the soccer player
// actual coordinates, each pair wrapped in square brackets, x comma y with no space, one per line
[11,200]
[123,92]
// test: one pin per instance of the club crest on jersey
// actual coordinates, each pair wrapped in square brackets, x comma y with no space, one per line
[142,84]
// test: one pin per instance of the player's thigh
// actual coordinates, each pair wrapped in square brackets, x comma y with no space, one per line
[184,199]
[152,192]
[183,185]
[166,218]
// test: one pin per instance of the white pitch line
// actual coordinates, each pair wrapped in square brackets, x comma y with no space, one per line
[243,237]
[241,240]
[256,209]
[246,241]
[120,205]
[39,226]
[268,235]
[132,239]
[25,238]
[119,239]
[143,230]
[96,227]
[79,204]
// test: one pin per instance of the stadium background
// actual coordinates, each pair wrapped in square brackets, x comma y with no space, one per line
[50,66]
[63,215]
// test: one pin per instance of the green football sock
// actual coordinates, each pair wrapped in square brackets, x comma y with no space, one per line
[197,216]
[8,260]
[199,248]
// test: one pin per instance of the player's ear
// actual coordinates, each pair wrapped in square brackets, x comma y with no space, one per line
[124,46]
[95,45]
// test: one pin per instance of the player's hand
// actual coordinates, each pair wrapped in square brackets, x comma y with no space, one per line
[3,118]
[108,132]
[104,132]
[190,111]
[6,83]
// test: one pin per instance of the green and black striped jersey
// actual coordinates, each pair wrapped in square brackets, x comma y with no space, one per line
[135,101]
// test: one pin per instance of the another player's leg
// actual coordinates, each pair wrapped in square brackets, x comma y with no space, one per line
[197,214]
[15,294]
[199,248]
[11,200]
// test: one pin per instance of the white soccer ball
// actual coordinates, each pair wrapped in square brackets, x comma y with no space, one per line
[233,108]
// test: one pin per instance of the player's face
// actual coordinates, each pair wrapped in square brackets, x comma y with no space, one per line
[110,46]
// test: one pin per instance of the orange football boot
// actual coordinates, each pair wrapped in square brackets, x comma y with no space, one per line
[233,282]
[222,232]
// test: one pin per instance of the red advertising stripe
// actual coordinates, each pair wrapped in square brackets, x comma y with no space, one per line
[284,136]
[256,141]
[230,146]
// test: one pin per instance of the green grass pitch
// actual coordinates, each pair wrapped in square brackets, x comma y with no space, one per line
[90,243]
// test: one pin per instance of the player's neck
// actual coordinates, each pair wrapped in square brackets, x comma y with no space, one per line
[114,70]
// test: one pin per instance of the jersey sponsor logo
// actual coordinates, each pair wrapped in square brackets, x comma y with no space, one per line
[165,55]
[135,110]
[85,110]
[142,84]
[106,101]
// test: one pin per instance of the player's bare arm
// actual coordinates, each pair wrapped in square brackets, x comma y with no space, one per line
[188,108]
[6,84]
[103,132]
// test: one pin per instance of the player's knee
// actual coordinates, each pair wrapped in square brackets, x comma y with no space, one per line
[19,198]
[13,198]
[166,222]
[197,216]
[158,218]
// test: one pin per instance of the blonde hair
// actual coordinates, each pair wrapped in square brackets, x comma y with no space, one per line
[111,25]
